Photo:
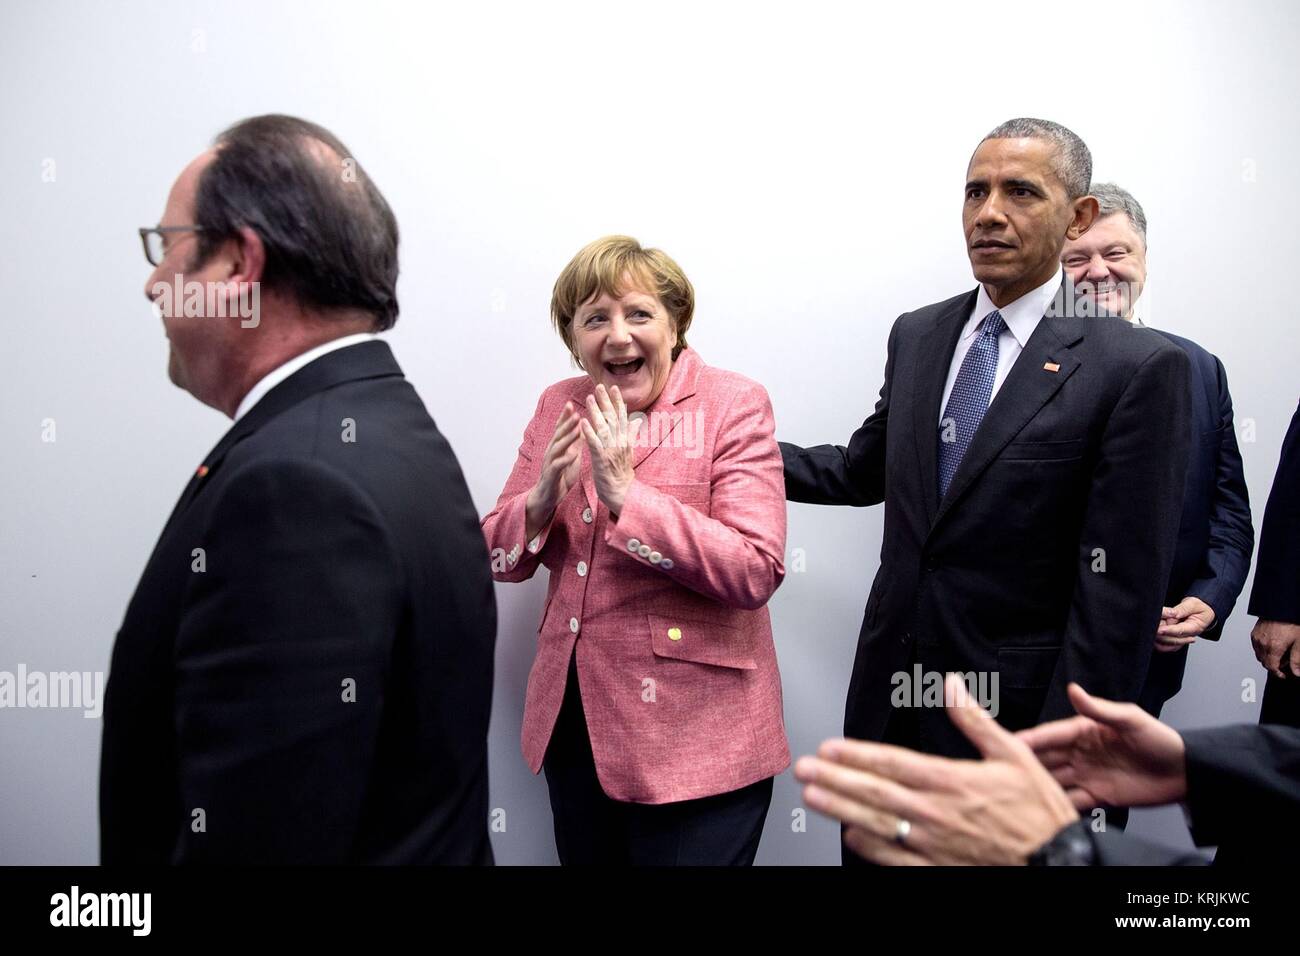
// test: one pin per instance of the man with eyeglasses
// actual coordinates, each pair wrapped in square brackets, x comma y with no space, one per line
[304,673]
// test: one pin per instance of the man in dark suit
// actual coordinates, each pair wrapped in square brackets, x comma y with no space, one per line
[1275,595]
[1020,803]
[1108,268]
[1029,528]
[304,673]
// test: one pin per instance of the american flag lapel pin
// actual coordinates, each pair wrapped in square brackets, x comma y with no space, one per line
[1051,367]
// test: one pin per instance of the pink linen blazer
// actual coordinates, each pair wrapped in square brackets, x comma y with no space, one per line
[667,604]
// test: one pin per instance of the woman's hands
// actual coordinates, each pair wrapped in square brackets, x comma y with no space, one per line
[560,466]
[610,439]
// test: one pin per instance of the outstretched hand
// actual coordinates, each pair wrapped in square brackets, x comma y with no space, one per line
[997,810]
[1111,754]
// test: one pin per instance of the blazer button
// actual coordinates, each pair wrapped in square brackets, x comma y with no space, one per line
[931,563]
[674,633]
[655,557]
[573,625]
[582,569]
[644,550]
[666,564]
[633,544]
[586,515]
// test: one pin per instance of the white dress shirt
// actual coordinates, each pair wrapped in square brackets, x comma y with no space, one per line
[1021,316]
[280,373]
[1136,313]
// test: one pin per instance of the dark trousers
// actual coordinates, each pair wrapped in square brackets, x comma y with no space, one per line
[1281,701]
[592,828]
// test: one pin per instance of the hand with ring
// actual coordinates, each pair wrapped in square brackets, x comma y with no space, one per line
[908,808]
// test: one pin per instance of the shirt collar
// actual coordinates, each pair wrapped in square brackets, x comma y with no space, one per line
[1138,312]
[1022,315]
[280,373]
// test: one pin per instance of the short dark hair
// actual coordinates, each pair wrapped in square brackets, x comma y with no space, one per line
[330,237]
[1073,162]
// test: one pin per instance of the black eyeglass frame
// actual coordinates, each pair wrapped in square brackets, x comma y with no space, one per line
[161,232]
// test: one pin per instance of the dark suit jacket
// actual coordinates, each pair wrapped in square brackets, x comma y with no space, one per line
[998,577]
[1275,595]
[1243,788]
[1215,537]
[320,691]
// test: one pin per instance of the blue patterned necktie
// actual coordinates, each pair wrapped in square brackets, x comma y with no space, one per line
[969,399]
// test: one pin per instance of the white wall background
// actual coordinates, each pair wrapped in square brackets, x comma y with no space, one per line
[804,163]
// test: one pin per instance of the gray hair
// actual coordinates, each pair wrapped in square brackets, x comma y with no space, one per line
[1073,165]
[1113,199]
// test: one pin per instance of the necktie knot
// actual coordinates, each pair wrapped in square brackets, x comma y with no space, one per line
[993,325]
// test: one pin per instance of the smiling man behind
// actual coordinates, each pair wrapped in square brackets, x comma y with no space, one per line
[1029,528]
[1108,267]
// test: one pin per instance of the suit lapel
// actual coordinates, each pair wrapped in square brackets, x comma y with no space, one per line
[934,357]
[1029,386]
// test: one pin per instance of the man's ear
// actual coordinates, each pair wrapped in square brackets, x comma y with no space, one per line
[247,256]
[244,258]
[1086,211]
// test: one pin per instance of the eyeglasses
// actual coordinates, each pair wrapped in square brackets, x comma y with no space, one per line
[152,238]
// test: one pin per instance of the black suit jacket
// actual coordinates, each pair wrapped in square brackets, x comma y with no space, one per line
[1243,789]
[1215,537]
[1275,595]
[1070,468]
[314,684]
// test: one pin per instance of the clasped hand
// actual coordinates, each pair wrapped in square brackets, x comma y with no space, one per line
[610,437]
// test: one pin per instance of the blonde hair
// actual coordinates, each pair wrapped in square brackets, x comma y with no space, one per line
[606,266]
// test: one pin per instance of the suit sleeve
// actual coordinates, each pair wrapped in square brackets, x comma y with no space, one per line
[513,557]
[734,554]
[836,475]
[284,639]
[1127,538]
[1227,561]
[1243,782]
[1275,595]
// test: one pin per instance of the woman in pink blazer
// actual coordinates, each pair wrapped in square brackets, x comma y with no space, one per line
[651,488]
